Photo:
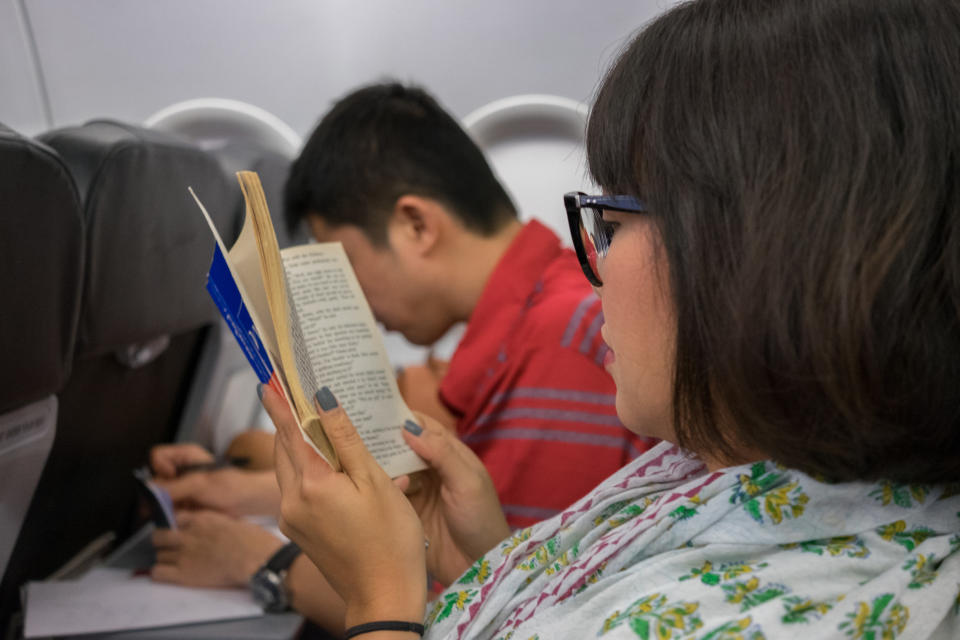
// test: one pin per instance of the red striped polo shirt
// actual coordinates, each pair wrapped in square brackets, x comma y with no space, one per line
[527,382]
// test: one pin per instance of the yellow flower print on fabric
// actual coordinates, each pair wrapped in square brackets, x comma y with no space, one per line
[897,532]
[652,618]
[515,540]
[564,560]
[541,555]
[882,619]
[478,572]
[445,605]
[788,501]
[741,629]
[798,609]
[727,571]
[749,594]
[922,570]
[765,497]
[848,546]
[902,495]
[623,511]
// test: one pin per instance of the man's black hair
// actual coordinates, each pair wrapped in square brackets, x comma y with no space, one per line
[384,141]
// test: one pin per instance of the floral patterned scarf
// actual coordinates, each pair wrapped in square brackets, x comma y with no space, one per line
[664,549]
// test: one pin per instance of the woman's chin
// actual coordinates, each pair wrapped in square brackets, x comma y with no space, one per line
[641,422]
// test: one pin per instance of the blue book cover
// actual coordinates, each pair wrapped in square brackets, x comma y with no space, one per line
[227,295]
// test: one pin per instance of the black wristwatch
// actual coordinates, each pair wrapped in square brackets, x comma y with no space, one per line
[267,584]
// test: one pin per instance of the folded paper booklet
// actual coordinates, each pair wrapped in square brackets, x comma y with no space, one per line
[302,320]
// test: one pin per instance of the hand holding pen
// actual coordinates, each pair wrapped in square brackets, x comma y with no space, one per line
[195,479]
[236,462]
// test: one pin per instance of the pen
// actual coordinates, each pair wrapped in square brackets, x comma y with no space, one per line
[236,461]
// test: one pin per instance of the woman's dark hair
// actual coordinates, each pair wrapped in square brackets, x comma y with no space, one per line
[384,141]
[801,159]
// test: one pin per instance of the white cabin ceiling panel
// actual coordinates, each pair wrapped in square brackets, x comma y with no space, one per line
[127,59]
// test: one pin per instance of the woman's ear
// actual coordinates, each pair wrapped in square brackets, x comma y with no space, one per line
[417,224]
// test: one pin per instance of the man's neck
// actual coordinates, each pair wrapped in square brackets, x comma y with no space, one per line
[472,261]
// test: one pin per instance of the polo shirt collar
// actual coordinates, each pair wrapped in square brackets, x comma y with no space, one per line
[516,277]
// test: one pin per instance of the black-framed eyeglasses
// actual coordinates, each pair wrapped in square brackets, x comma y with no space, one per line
[590,232]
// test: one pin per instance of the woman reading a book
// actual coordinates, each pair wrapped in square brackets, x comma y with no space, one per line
[778,258]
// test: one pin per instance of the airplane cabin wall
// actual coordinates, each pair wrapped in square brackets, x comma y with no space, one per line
[126,60]
[21,99]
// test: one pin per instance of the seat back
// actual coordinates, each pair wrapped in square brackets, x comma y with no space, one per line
[143,320]
[41,269]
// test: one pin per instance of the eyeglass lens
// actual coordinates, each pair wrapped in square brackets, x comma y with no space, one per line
[595,234]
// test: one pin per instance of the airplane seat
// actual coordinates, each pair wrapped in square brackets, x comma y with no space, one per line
[143,319]
[535,145]
[41,269]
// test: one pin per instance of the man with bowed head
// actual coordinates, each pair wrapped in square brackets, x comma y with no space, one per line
[777,253]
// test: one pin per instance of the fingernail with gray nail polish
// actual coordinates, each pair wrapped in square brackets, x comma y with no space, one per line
[325,399]
[260,391]
[413,427]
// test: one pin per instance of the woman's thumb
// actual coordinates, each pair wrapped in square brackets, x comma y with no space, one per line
[436,445]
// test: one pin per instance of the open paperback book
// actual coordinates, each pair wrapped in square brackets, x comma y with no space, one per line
[302,321]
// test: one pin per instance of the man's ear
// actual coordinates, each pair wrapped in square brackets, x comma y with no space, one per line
[318,227]
[418,223]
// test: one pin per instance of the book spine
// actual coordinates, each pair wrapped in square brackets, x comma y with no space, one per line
[226,295]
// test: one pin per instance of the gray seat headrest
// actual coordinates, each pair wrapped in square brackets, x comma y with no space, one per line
[148,246]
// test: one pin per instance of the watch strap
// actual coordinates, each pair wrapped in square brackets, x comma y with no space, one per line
[283,558]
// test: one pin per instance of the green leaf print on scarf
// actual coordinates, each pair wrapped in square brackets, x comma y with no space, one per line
[479,571]
[609,510]
[727,571]
[762,499]
[922,570]
[651,617]
[799,609]
[541,555]
[759,480]
[874,621]
[735,630]
[683,512]
[564,560]
[507,546]
[897,532]
[622,511]
[849,546]
[902,495]
[445,605]
[747,593]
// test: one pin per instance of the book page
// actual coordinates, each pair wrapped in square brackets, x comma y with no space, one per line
[346,350]
[245,261]
[117,601]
